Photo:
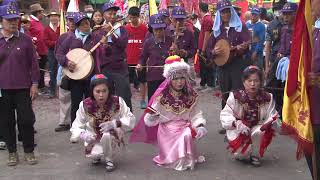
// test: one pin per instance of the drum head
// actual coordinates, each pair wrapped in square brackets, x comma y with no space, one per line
[84,64]
[223,57]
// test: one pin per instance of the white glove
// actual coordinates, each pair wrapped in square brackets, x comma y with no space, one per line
[87,137]
[107,126]
[201,131]
[242,128]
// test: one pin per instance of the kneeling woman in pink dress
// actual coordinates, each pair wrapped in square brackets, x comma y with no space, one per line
[173,120]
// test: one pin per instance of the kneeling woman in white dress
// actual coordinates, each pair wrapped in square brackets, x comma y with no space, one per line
[100,121]
[173,120]
[249,118]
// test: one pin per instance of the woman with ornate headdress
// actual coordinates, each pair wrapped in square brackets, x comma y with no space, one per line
[173,120]
[249,118]
[100,121]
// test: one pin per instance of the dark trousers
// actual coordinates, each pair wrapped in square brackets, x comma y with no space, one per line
[79,90]
[152,87]
[19,100]
[53,67]
[42,65]
[206,74]
[122,86]
[133,78]
[230,78]
[276,87]
[316,132]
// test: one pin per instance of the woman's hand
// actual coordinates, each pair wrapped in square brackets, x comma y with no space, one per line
[201,131]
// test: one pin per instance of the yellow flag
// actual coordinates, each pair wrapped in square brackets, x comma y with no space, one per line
[63,28]
[296,103]
[153,7]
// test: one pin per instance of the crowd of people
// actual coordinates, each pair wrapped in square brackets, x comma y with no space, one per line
[156,55]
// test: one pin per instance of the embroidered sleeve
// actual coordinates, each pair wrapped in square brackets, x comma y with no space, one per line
[227,115]
[150,120]
[271,110]
[79,123]
[126,117]
[196,116]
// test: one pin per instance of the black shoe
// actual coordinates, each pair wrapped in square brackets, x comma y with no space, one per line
[222,131]
[62,128]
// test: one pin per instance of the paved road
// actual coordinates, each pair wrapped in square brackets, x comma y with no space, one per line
[58,159]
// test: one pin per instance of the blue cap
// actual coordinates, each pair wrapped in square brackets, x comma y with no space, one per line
[79,16]
[9,12]
[9,2]
[289,7]
[164,12]
[70,15]
[156,21]
[108,6]
[179,13]
[221,5]
[255,10]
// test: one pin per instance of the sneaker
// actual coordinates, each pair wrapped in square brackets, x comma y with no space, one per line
[13,159]
[143,104]
[110,166]
[30,158]
[201,88]
[62,127]
[3,145]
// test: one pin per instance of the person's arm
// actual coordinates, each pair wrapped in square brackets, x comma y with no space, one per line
[227,116]
[79,124]
[268,49]
[32,55]
[261,35]
[126,117]
[61,49]
[196,115]
[46,36]
[122,41]
[152,119]
[145,53]
[267,57]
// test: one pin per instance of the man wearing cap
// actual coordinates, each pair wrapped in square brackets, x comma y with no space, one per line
[184,43]
[289,14]
[166,17]
[258,30]
[155,51]
[228,26]
[19,76]
[272,46]
[51,34]
[81,38]
[206,73]
[25,24]
[64,94]
[113,55]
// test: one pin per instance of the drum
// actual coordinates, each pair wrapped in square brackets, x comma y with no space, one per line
[222,58]
[84,64]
